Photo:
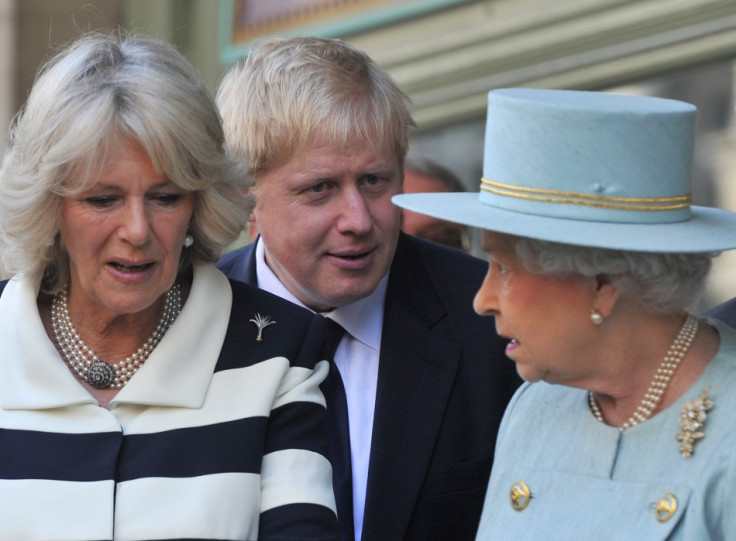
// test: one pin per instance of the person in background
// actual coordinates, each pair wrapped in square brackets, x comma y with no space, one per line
[625,427]
[725,312]
[420,382]
[423,174]
[142,394]
[252,230]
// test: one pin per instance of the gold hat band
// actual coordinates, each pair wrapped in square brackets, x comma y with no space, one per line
[573,198]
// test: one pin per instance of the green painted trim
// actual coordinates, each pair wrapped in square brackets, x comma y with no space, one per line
[230,53]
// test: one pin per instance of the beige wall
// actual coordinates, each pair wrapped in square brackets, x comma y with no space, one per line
[7,66]
[43,26]
[29,31]
[191,25]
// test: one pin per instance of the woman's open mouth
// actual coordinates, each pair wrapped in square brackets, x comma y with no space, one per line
[131,268]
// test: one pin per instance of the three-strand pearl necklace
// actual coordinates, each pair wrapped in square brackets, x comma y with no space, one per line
[85,363]
[662,378]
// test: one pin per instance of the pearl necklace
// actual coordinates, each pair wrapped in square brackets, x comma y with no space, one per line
[661,381]
[83,361]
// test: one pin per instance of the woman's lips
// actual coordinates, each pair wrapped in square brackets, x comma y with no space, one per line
[130,273]
[511,346]
[130,268]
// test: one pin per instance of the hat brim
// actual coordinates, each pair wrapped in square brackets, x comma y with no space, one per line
[708,230]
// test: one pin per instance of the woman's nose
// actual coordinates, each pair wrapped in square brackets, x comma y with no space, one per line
[136,226]
[485,302]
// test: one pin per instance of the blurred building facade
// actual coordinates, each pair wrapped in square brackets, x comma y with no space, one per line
[446,55]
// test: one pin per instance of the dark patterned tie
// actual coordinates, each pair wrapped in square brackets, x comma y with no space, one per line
[339,434]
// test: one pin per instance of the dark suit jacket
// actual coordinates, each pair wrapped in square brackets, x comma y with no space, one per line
[443,385]
[726,312]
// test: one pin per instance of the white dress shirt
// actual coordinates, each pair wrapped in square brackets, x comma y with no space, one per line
[357,359]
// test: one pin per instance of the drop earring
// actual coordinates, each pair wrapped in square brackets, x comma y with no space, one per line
[188,241]
[595,317]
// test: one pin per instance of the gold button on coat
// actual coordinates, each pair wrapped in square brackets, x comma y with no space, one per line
[520,496]
[666,507]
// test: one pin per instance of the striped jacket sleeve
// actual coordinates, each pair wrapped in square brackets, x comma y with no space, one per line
[297,501]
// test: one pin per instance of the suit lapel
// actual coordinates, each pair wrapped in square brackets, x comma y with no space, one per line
[416,374]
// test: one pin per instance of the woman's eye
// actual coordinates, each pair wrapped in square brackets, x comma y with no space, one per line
[100,201]
[499,268]
[169,199]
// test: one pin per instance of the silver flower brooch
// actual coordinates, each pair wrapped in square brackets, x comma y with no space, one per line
[261,322]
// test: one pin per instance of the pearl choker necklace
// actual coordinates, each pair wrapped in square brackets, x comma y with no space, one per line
[83,361]
[661,381]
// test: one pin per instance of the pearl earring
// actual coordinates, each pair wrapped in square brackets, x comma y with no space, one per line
[595,317]
[188,241]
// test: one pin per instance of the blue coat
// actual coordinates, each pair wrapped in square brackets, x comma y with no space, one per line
[588,480]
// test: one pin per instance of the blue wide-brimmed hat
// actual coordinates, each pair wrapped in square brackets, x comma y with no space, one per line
[590,169]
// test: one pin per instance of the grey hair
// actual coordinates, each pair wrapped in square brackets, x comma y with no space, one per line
[660,282]
[426,166]
[97,91]
[287,92]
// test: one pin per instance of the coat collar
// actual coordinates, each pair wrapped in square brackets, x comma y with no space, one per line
[178,372]
[32,375]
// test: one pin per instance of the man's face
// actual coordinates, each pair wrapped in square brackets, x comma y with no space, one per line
[327,222]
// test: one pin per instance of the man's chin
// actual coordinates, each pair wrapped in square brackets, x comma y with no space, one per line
[348,295]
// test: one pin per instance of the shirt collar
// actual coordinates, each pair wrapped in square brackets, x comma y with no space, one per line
[363,319]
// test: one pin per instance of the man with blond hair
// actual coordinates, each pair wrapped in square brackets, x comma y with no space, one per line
[414,397]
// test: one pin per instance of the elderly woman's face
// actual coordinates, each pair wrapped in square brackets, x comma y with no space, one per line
[546,318]
[125,235]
